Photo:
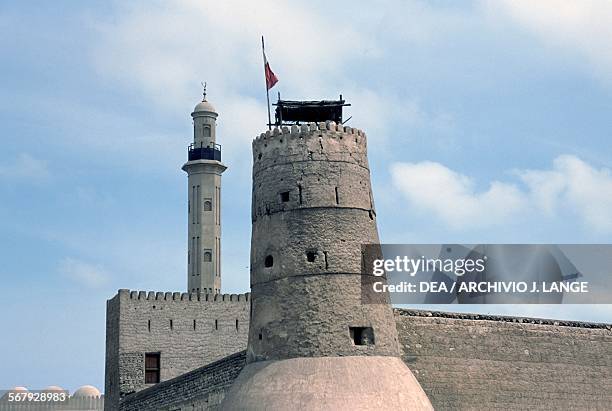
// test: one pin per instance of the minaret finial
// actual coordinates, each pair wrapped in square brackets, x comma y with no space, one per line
[203,83]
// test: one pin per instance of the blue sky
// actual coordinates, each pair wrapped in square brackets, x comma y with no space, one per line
[486,121]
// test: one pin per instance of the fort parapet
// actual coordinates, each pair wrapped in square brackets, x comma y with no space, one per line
[463,362]
[183,331]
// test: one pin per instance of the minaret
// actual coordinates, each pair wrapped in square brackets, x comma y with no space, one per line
[204,169]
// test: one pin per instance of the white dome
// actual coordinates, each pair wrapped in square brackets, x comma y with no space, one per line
[204,106]
[87,391]
[53,388]
[17,389]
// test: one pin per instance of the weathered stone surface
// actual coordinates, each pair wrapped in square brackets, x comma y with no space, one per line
[313,343]
[315,321]
[472,362]
[327,383]
[203,329]
[312,211]
[200,389]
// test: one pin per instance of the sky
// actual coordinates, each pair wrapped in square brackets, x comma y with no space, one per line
[487,122]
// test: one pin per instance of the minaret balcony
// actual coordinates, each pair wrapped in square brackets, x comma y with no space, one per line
[210,152]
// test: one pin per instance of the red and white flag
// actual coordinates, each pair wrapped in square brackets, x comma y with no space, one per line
[271,78]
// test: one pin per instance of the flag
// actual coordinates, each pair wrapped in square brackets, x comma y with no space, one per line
[271,78]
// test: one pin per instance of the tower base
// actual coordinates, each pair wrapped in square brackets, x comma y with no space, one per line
[327,383]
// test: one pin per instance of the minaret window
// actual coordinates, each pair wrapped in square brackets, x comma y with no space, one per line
[207,205]
[207,256]
[206,131]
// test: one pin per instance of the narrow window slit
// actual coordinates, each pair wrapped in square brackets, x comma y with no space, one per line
[337,198]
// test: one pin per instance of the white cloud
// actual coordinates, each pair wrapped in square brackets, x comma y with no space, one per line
[580,26]
[452,197]
[167,49]
[86,274]
[571,186]
[164,50]
[25,167]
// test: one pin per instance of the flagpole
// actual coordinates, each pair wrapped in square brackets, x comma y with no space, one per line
[263,52]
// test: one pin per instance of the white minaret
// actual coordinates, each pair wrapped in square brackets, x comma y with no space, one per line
[204,169]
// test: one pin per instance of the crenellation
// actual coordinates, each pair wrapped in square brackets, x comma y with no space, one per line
[323,145]
[189,330]
[297,169]
[299,130]
[179,297]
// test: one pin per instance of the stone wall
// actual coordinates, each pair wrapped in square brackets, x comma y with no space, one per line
[111,371]
[312,209]
[491,362]
[201,389]
[187,330]
[462,361]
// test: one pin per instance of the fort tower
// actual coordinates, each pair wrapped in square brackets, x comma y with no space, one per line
[204,169]
[312,341]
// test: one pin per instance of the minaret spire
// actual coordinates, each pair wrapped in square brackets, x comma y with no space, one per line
[204,169]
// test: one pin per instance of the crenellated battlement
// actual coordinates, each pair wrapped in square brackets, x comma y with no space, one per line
[297,130]
[178,296]
[186,330]
[312,141]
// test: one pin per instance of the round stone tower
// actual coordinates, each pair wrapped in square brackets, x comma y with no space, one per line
[313,343]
